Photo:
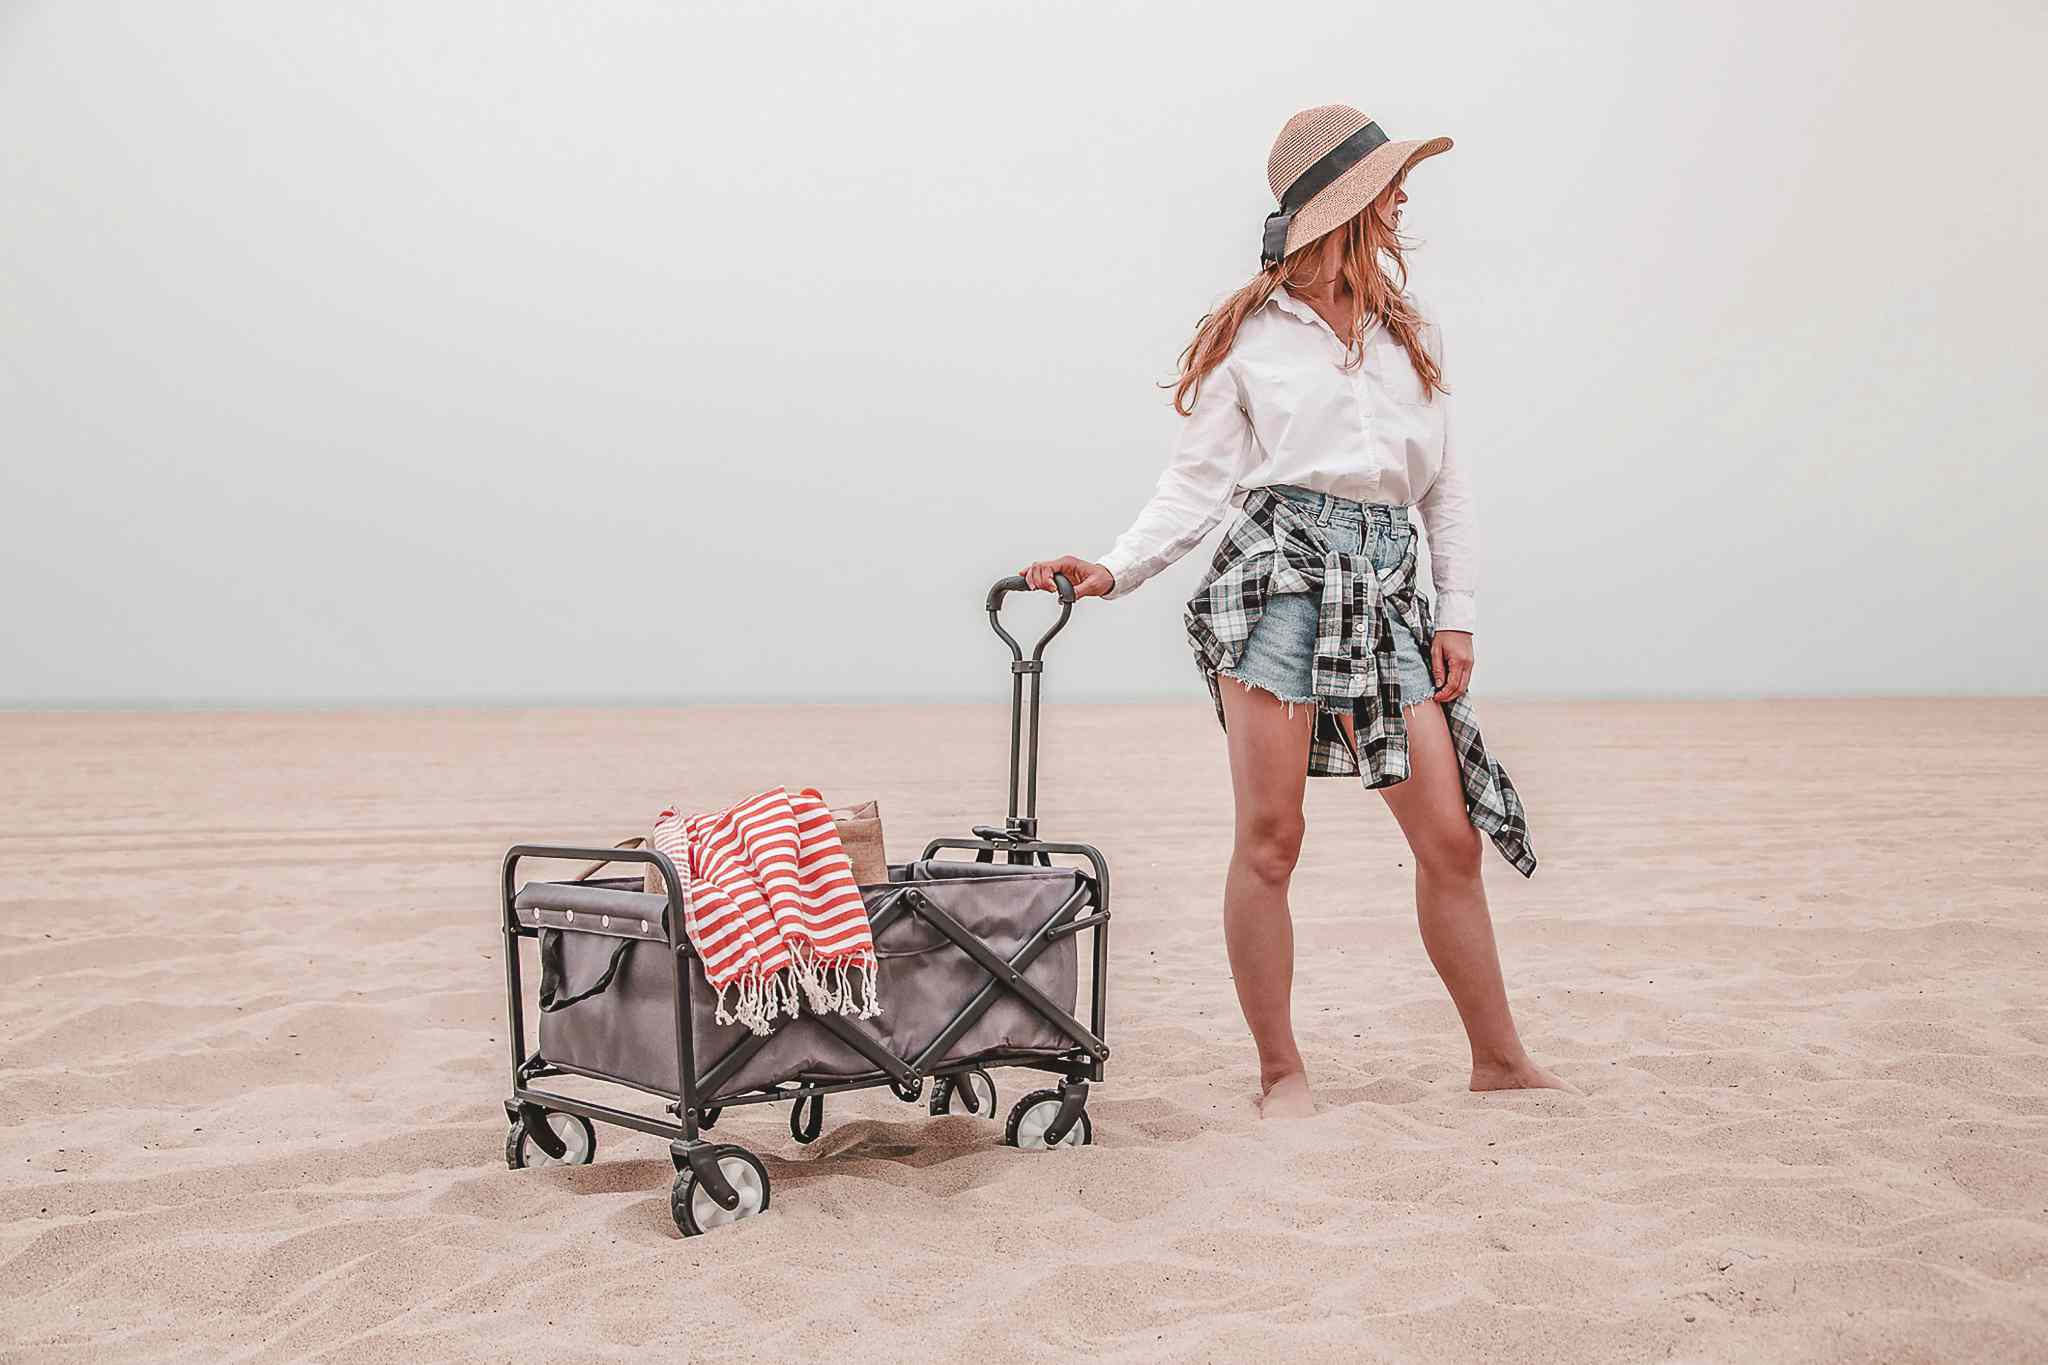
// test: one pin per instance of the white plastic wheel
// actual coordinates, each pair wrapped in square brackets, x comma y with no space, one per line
[698,1212]
[979,1086]
[1035,1115]
[950,1095]
[578,1139]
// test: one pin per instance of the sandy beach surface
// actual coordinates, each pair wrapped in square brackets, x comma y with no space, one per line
[252,1054]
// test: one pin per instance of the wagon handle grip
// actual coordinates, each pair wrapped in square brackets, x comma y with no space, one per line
[1015,582]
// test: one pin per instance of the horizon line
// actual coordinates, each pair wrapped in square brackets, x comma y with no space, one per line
[634,702]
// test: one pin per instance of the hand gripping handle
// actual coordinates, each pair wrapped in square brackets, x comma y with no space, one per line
[1014,583]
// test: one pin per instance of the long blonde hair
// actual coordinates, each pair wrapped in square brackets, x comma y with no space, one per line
[1361,243]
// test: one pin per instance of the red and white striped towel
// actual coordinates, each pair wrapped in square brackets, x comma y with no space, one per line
[773,912]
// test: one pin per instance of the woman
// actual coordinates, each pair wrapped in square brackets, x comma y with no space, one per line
[1323,445]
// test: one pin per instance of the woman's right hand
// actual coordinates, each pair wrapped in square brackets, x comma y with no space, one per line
[1089,580]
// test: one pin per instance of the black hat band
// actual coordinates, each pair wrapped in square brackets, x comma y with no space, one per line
[1310,183]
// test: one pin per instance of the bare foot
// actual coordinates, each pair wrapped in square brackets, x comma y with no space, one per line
[1522,1075]
[1287,1098]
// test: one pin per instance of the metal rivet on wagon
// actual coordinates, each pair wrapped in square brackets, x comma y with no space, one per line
[569,915]
[605,921]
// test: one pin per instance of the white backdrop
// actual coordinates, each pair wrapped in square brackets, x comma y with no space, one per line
[465,351]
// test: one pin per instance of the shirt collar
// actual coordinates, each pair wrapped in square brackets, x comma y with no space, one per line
[1287,303]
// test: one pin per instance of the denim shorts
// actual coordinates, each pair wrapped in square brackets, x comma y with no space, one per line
[1279,653]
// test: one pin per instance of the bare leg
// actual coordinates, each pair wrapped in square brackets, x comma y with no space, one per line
[1268,770]
[1450,904]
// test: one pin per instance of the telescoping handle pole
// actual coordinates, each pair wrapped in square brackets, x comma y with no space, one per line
[1020,668]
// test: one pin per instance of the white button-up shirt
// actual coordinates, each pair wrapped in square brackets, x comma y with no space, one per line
[1279,409]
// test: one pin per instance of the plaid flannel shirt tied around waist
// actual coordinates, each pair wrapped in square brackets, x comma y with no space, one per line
[1276,545]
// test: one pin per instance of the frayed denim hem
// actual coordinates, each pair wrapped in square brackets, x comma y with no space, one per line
[1289,702]
[1407,707]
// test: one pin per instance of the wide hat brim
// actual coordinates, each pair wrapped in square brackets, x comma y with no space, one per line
[1345,197]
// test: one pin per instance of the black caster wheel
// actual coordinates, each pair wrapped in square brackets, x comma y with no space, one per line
[970,1092]
[697,1213]
[1034,1114]
[578,1139]
[805,1129]
[709,1118]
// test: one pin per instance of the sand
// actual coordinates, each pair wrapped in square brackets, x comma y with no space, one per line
[1793,951]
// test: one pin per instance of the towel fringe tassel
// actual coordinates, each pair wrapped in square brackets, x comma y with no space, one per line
[845,986]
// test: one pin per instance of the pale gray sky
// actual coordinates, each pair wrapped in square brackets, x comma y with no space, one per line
[464,351]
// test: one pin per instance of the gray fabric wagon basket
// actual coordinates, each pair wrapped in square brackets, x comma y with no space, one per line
[979,967]
[625,1032]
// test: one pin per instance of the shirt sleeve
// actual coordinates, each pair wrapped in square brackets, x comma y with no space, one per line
[1448,517]
[1214,450]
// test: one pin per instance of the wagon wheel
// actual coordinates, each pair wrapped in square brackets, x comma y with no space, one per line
[578,1139]
[696,1212]
[976,1091]
[1034,1114]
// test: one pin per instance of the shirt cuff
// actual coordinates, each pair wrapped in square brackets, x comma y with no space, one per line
[1121,569]
[1456,611]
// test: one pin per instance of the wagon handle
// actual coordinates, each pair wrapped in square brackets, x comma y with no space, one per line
[1027,824]
[1014,583]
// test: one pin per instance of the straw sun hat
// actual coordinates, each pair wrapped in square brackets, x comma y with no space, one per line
[1328,163]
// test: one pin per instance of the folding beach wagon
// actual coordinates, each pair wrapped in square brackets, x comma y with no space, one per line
[978,968]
